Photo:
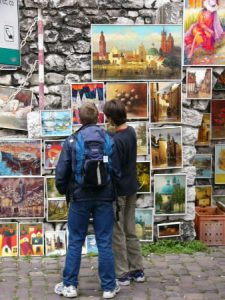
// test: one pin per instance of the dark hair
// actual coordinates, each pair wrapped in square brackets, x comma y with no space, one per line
[88,114]
[116,110]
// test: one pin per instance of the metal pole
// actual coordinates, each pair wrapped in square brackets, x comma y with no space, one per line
[41,59]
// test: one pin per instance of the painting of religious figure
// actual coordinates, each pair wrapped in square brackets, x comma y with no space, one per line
[136,52]
[144,221]
[204,32]
[167,230]
[52,150]
[199,83]
[55,242]
[9,239]
[203,195]
[218,119]
[219,164]
[204,131]
[31,239]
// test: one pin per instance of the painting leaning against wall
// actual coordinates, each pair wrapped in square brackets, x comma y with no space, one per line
[9,239]
[219,164]
[218,119]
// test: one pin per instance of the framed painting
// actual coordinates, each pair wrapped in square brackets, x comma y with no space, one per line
[170,194]
[203,195]
[91,245]
[57,210]
[31,239]
[141,131]
[20,157]
[56,123]
[203,165]
[14,107]
[165,99]
[144,221]
[51,190]
[167,230]
[21,197]
[134,95]
[9,239]
[219,176]
[52,150]
[87,92]
[143,177]
[218,79]
[136,52]
[166,148]
[218,119]
[55,243]
[204,131]
[199,83]
[204,39]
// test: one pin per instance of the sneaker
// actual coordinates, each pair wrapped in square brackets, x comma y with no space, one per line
[137,275]
[59,288]
[66,291]
[124,279]
[111,294]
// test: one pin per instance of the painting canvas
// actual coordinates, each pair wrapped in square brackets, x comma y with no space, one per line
[203,164]
[220,164]
[136,52]
[166,148]
[21,197]
[52,150]
[199,83]
[31,240]
[91,245]
[56,122]
[219,79]
[9,239]
[51,190]
[14,107]
[144,224]
[142,136]
[165,99]
[134,95]
[218,119]
[203,195]
[167,230]
[20,157]
[170,194]
[204,131]
[204,38]
[143,176]
[57,210]
[88,92]
[55,242]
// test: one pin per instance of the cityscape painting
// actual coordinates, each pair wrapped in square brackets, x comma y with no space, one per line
[55,242]
[57,210]
[218,119]
[203,195]
[143,177]
[142,136]
[204,131]
[31,239]
[144,221]
[199,83]
[203,165]
[9,239]
[138,52]
[219,164]
[52,150]
[167,230]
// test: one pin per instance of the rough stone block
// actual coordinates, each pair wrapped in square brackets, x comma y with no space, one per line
[125,21]
[6,79]
[51,36]
[62,3]
[133,4]
[54,62]
[188,154]
[78,63]
[191,117]
[54,78]
[190,135]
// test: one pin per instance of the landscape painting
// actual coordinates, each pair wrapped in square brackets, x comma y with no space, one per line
[91,245]
[31,239]
[167,230]
[203,165]
[144,221]
[204,131]
[55,243]
[52,150]
[51,190]
[136,52]
[203,195]
[14,107]
[199,83]
[170,194]
[218,119]
[142,136]
[143,177]
[9,239]
[57,210]
[204,38]
[134,95]
[165,99]
[220,164]
[88,92]
[21,197]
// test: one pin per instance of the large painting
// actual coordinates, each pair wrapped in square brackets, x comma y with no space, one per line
[52,150]
[218,119]
[136,52]
[31,239]
[204,131]
[142,137]
[199,83]
[220,164]
[55,243]
[144,221]
[9,239]
[204,38]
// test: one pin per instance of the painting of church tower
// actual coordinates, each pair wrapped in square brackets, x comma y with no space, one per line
[102,47]
[167,43]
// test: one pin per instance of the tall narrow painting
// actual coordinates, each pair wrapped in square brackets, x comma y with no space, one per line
[199,83]
[8,239]
[31,239]
[52,150]
[218,119]
[220,164]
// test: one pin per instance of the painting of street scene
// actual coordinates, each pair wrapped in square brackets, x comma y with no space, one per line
[9,239]
[165,99]
[20,157]
[165,230]
[21,197]
[204,131]
[203,165]
[138,52]
[166,148]
[170,194]
[204,32]
[31,239]
[143,177]
[57,210]
[144,221]
[55,242]
[14,107]
[133,95]
[51,190]
[52,150]
[88,92]
[91,245]
[218,119]
[199,83]
[219,164]
[203,195]
[219,79]
[142,136]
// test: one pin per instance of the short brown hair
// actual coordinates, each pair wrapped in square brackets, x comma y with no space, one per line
[88,114]
[116,110]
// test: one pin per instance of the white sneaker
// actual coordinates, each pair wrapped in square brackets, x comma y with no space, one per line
[59,288]
[70,291]
[111,294]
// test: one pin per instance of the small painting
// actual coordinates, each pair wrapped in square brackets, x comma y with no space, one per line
[144,224]
[91,245]
[170,194]
[88,92]
[134,95]
[204,131]
[31,241]
[57,210]
[199,83]
[167,230]
[141,135]
[52,150]
[55,243]
[51,190]
[143,177]
[218,119]
[219,79]
[8,239]
[220,164]
[203,195]
[15,104]
[203,165]
[165,99]
[56,123]
[166,148]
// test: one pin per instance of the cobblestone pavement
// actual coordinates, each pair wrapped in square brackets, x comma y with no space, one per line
[172,277]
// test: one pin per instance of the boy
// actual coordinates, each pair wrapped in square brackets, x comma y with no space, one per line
[88,198]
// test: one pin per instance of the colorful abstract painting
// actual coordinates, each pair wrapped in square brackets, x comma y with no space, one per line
[9,239]
[31,239]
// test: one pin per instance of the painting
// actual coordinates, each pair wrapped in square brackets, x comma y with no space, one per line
[20,157]
[218,199]
[144,221]
[14,107]
[199,83]
[142,136]
[219,164]
[31,241]
[57,210]
[143,177]
[219,79]
[170,194]
[88,92]
[136,52]
[55,243]
[56,123]
[21,197]
[9,239]
[51,190]
[166,148]
[204,38]
[134,95]
[91,245]
[52,150]
[203,195]
[218,119]
[203,165]
[204,131]
[167,230]
[165,99]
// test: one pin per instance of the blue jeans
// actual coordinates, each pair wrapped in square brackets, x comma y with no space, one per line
[78,219]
